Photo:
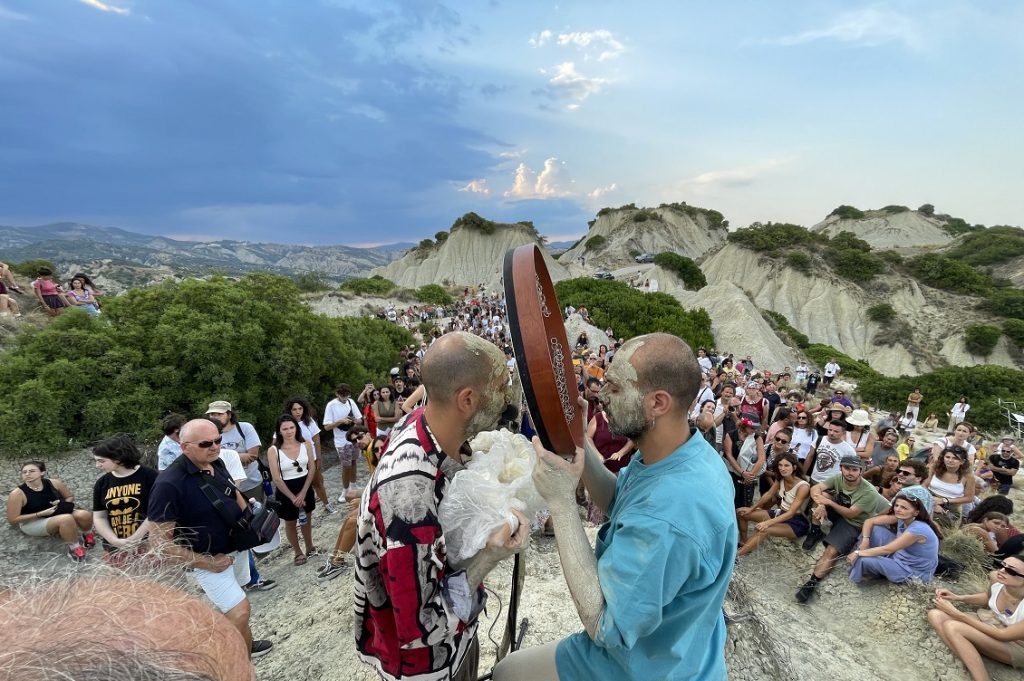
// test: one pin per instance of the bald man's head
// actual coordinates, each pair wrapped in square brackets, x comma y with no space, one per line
[664,362]
[460,360]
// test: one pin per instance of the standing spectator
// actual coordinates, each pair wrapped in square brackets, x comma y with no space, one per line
[801,373]
[914,403]
[292,468]
[703,360]
[42,507]
[120,498]
[832,370]
[341,414]
[745,457]
[48,292]
[385,411]
[812,383]
[416,615]
[169,448]
[911,552]
[958,412]
[186,528]
[241,437]
[302,410]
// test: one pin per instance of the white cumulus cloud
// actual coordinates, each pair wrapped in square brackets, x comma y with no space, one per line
[568,83]
[869,27]
[602,41]
[598,192]
[476,187]
[551,182]
[539,39]
[104,7]
[740,176]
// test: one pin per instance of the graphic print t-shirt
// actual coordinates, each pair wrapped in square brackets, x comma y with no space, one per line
[124,499]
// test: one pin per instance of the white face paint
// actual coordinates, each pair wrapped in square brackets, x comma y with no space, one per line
[621,397]
[499,391]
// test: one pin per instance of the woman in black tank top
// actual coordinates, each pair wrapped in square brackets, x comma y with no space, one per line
[42,507]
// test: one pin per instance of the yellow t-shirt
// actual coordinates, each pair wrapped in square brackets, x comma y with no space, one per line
[904,451]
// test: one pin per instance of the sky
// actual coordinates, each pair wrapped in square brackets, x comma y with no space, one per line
[332,121]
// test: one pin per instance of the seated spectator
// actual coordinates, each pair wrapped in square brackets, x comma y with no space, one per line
[81,297]
[951,482]
[881,476]
[932,422]
[7,279]
[804,434]
[909,472]
[959,436]
[42,507]
[48,292]
[987,529]
[907,448]
[1004,463]
[780,511]
[996,631]
[909,552]
[907,422]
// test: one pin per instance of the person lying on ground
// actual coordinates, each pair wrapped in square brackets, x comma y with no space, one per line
[901,545]
[780,511]
[996,632]
[42,507]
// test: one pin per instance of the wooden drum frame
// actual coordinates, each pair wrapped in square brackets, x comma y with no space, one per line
[542,351]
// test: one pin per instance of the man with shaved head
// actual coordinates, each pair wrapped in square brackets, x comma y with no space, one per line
[650,596]
[416,616]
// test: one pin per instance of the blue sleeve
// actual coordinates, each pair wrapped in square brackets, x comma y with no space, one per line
[643,569]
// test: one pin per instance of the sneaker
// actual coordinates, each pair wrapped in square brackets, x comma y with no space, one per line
[89,540]
[814,535]
[262,585]
[330,570]
[16,289]
[329,509]
[260,648]
[77,554]
[341,498]
[807,590]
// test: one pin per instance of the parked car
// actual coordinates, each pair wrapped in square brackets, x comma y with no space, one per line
[645,258]
[603,275]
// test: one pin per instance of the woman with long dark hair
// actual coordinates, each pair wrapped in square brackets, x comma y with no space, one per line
[385,411]
[292,467]
[303,412]
[745,456]
[780,511]
[901,545]
[951,482]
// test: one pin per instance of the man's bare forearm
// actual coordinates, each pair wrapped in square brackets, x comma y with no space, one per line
[599,481]
[579,564]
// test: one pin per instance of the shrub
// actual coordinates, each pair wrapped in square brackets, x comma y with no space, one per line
[643,215]
[958,226]
[881,313]
[847,213]
[782,325]
[473,221]
[926,209]
[891,257]
[684,268]
[893,210]
[309,282]
[714,219]
[425,245]
[1014,330]
[846,239]
[981,339]
[30,268]
[441,236]
[820,354]
[372,286]
[946,273]
[855,265]
[631,313]
[769,237]
[595,242]
[433,294]
[176,347]
[1006,303]
[989,246]
[799,261]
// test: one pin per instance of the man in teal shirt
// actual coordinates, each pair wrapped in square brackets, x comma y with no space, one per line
[650,596]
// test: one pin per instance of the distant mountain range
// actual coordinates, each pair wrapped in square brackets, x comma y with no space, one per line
[68,242]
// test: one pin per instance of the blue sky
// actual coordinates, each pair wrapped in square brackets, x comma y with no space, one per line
[326,121]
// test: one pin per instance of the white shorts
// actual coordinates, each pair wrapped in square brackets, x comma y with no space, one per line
[225,588]
[35,527]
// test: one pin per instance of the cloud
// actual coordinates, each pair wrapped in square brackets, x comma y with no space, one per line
[601,191]
[550,183]
[741,176]
[515,153]
[568,83]
[476,187]
[601,42]
[10,15]
[867,27]
[103,7]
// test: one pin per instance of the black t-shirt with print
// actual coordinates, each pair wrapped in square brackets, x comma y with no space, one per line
[1010,462]
[124,499]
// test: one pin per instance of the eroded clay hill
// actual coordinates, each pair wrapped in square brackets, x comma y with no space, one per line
[884,229]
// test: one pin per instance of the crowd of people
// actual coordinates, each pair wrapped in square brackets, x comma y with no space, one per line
[52,296]
[762,455]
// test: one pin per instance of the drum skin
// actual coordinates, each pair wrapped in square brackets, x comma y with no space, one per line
[542,351]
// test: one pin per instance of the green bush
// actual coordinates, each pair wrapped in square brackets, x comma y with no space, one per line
[631,313]
[770,237]
[881,313]
[30,268]
[981,339]
[309,282]
[441,236]
[473,221]
[1006,303]
[176,347]
[990,246]
[799,261]
[372,286]
[847,240]
[855,265]
[847,213]
[1014,330]
[891,257]
[820,354]
[433,294]
[893,210]
[425,244]
[643,215]
[946,273]
[782,325]
[926,209]
[983,385]
[595,242]
[684,268]
[714,219]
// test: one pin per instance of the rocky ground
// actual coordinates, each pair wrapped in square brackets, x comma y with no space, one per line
[847,632]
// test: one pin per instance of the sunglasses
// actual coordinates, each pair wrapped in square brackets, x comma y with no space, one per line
[782,440]
[904,472]
[206,444]
[1009,570]
[298,468]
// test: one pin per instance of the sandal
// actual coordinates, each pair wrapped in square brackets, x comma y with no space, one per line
[314,551]
[300,559]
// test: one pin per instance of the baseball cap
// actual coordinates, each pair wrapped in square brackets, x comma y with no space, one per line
[852,461]
[219,407]
[394,371]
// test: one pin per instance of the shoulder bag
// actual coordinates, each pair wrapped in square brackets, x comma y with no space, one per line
[255,527]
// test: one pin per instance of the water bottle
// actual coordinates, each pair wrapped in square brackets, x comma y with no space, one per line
[255,505]
[303,518]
